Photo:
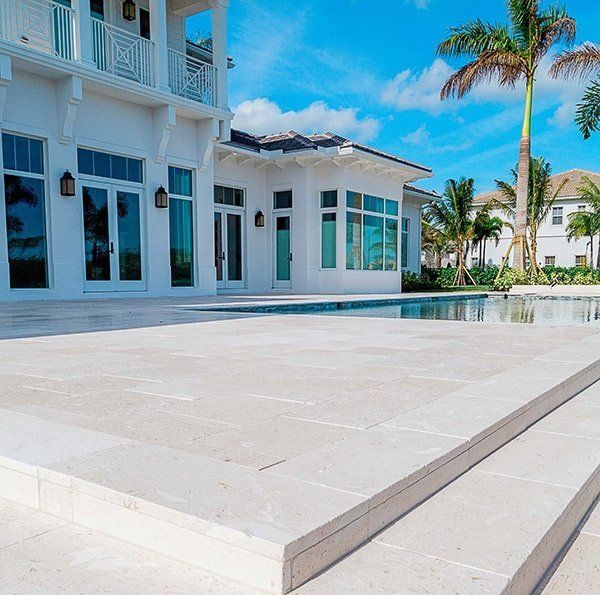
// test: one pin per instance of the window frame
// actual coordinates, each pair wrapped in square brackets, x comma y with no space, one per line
[324,211]
[549,264]
[557,219]
[408,226]
[583,258]
[110,180]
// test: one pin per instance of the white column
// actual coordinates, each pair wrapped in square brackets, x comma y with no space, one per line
[84,51]
[219,40]
[158,34]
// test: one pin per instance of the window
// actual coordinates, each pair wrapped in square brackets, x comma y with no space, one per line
[329,200]
[549,261]
[557,215]
[371,233]
[581,207]
[24,197]
[405,240]
[282,200]
[181,227]
[581,260]
[224,195]
[144,23]
[107,165]
[97,9]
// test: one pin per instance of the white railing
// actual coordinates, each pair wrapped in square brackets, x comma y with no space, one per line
[192,78]
[122,53]
[43,25]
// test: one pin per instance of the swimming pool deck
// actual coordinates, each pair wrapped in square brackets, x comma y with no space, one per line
[261,448]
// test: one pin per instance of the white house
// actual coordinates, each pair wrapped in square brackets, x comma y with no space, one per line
[553,246]
[108,92]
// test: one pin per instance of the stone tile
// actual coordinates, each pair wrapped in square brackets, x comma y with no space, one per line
[476,510]
[23,527]
[376,568]
[575,417]
[592,525]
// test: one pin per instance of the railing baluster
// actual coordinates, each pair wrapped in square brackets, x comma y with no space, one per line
[191,78]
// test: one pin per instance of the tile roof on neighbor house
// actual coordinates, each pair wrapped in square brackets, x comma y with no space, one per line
[573,180]
[293,141]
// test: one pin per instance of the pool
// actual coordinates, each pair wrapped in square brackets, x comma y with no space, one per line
[544,310]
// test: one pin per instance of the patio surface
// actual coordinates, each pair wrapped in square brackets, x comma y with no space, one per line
[275,443]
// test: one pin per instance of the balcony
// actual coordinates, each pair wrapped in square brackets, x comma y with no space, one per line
[49,27]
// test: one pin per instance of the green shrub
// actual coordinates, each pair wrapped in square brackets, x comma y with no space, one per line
[427,280]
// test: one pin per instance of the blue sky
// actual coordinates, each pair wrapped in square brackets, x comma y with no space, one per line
[367,69]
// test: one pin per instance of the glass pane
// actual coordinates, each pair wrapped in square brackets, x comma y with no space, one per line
[373,203]
[238,199]
[134,170]
[26,232]
[228,196]
[219,254]
[391,244]
[36,156]
[22,153]
[118,167]
[8,151]
[329,199]
[282,200]
[182,242]
[404,248]
[372,243]
[130,251]
[328,241]
[101,164]
[391,207]
[353,241]
[219,194]
[283,249]
[95,225]
[85,161]
[234,247]
[353,200]
[180,181]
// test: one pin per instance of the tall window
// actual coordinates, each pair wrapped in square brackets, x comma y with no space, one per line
[557,215]
[371,233]
[24,198]
[550,260]
[181,227]
[329,201]
[405,242]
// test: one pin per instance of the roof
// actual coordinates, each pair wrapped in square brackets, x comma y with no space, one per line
[573,177]
[428,193]
[294,141]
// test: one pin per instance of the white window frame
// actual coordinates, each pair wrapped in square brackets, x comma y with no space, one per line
[582,257]
[323,211]
[401,233]
[557,215]
[549,264]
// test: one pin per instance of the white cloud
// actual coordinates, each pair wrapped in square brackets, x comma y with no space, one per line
[262,116]
[421,4]
[417,137]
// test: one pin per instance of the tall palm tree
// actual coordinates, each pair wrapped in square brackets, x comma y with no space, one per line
[433,242]
[587,223]
[583,61]
[509,54]
[485,227]
[540,199]
[583,224]
[452,217]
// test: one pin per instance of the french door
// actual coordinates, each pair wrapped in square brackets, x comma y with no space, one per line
[229,248]
[112,238]
[282,251]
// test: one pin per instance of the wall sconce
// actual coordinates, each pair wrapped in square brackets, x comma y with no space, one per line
[161,198]
[129,10]
[259,219]
[67,184]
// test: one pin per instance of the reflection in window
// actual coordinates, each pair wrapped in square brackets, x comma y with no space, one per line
[182,242]
[107,165]
[353,241]
[95,225]
[405,236]
[282,200]
[180,181]
[225,195]
[372,243]
[328,240]
[130,251]
[391,244]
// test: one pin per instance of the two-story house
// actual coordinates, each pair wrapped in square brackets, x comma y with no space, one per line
[122,176]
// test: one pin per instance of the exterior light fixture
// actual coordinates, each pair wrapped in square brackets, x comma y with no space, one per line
[67,184]
[259,219]
[161,198]
[129,10]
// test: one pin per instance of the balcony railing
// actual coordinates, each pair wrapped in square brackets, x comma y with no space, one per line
[40,24]
[122,53]
[192,78]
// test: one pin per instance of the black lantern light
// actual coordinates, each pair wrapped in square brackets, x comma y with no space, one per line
[129,10]
[67,184]
[259,219]
[161,198]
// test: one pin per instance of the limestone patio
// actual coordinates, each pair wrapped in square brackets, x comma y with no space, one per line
[260,447]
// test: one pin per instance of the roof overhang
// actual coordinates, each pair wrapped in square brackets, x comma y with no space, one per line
[187,8]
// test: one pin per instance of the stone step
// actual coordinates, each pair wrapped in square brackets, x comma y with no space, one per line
[274,529]
[499,527]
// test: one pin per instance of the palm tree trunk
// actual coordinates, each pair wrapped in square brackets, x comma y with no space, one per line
[534,251]
[484,251]
[438,260]
[591,253]
[523,182]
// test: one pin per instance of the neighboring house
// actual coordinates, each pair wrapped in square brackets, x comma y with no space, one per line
[129,107]
[553,246]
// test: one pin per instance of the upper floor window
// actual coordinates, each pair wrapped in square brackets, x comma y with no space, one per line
[180,181]
[224,195]
[108,165]
[25,206]
[557,215]
[282,199]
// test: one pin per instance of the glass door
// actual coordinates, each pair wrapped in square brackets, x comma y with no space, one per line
[283,251]
[229,249]
[112,238]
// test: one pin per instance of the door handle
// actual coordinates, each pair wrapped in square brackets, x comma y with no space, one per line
[112,248]
[223,256]
[290,257]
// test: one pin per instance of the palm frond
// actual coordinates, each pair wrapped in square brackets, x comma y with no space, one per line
[555,26]
[581,61]
[474,38]
[588,111]
[523,15]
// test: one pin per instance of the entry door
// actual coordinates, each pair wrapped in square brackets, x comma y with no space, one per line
[112,238]
[229,249]
[283,251]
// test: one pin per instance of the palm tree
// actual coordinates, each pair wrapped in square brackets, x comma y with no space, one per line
[485,227]
[433,242]
[452,217]
[583,61]
[583,224]
[540,199]
[509,54]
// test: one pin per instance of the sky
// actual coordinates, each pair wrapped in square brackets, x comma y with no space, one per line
[368,70]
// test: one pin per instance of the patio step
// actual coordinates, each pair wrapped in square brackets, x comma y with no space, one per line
[277,528]
[499,527]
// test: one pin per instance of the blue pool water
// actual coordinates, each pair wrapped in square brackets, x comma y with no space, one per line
[475,308]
